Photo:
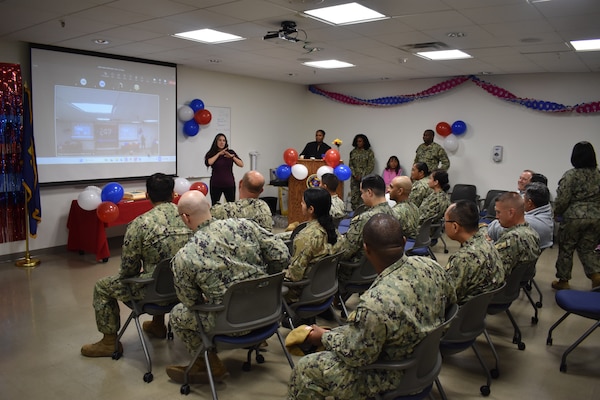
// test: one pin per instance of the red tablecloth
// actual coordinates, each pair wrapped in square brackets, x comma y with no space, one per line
[87,232]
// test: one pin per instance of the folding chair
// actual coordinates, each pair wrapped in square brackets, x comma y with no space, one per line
[462,191]
[421,245]
[362,276]
[159,298]
[487,211]
[250,314]
[318,291]
[421,368]
[584,304]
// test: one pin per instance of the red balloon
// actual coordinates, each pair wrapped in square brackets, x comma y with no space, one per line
[290,156]
[332,158]
[107,211]
[203,116]
[200,186]
[443,129]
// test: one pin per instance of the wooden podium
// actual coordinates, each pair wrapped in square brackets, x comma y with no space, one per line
[296,190]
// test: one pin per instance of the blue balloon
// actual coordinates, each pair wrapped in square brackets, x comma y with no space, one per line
[283,172]
[191,128]
[196,105]
[459,127]
[112,192]
[343,172]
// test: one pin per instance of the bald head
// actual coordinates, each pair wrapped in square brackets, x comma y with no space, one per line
[251,185]
[383,240]
[400,188]
[194,208]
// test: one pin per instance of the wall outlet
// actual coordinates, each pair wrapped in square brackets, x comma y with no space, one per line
[497,153]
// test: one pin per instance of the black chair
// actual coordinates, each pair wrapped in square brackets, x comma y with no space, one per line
[421,245]
[421,368]
[487,211]
[362,276]
[297,229]
[468,325]
[318,291]
[464,192]
[250,314]
[502,300]
[584,304]
[159,298]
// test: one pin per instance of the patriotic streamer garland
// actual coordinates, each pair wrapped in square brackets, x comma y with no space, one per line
[503,94]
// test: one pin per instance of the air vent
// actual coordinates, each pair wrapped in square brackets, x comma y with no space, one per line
[425,46]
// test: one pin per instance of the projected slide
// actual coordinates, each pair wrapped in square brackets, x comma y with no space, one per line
[99,118]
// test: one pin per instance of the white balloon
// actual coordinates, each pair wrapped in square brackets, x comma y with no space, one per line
[89,200]
[451,143]
[299,171]
[185,113]
[182,185]
[95,189]
[325,169]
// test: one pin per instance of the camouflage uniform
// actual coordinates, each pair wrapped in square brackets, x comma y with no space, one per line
[420,190]
[219,254]
[255,209]
[518,244]
[408,215]
[406,301]
[476,268]
[310,245]
[351,243]
[338,208]
[150,238]
[578,202]
[434,206]
[432,155]
[362,163]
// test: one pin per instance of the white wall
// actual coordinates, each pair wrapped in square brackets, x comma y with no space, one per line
[271,116]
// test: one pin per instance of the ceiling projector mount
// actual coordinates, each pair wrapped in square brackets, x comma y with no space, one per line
[287,32]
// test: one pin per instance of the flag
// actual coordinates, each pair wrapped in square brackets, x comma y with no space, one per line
[30,171]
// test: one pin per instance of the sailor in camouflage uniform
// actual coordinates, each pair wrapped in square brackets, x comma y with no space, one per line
[419,174]
[150,238]
[351,244]
[249,205]
[519,243]
[362,163]
[578,203]
[434,205]
[220,253]
[330,183]
[406,302]
[432,153]
[315,241]
[476,267]
[405,211]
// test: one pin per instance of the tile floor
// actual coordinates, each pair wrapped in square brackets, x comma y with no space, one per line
[46,315]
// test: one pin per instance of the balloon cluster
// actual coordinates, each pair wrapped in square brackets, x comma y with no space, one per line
[104,200]
[182,185]
[192,116]
[450,133]
[300,172]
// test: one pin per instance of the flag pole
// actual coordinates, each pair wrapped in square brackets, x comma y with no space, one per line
[27,261]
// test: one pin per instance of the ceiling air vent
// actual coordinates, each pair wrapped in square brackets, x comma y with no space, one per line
[425,46]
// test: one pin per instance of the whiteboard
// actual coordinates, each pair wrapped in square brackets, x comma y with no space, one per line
[191,149]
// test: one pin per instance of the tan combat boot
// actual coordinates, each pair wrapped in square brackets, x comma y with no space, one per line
[156,327]
[198,373]
[104,348]
[560,284]
[595,277]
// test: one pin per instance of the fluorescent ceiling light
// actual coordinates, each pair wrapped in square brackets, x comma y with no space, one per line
[94,108]
[586,45]
[208,36]
[328,64]
[444,55]
[350,13]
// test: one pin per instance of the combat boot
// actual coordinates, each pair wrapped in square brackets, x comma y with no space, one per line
[156,327]
[595,277]
[198,372]
[104,348]
[560,284]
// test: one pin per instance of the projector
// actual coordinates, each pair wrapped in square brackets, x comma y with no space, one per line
[287,28]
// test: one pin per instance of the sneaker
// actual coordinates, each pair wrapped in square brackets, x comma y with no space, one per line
[560,285]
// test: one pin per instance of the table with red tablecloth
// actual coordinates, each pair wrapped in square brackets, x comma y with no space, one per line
[87,233]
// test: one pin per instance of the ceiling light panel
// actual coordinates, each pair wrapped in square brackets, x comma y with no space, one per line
[344,14]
